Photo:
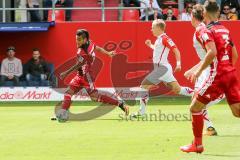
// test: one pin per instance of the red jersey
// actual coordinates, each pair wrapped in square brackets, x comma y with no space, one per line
[220,35]
[86,56]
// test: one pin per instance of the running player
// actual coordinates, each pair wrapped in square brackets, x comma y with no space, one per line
[222,78]
[83,79]
[162,71]
[197,22]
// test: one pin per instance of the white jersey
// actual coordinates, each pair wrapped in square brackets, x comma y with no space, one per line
[197,44]
[201,52]
[162,46]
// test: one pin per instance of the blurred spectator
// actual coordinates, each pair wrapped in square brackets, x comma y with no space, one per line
[223,17]
[231,3]
[186,16]
[11,67]
[152,9]
[169,15]
[34,14]
[68,4]
[131,3]
[46,4]
[203,1]
[65,3]
[21,15]
[234,6]
[36,68]
[228,13]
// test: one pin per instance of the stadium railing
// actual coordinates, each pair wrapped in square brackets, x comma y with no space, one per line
[102,8]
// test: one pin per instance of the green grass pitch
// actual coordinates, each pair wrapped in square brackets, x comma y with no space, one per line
[27,133]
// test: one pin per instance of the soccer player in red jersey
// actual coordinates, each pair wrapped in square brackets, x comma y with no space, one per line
[83,79]
[197,22]
[222,79]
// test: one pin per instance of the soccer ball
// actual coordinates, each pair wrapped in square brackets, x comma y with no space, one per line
[62,115]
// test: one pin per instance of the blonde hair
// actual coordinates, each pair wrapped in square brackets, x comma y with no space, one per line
[159,23]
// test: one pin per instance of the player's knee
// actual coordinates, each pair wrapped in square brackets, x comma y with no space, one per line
[176,90]
[237,114]
[145,86]
[236,110]
[69,91]
[93,95]
[195,109]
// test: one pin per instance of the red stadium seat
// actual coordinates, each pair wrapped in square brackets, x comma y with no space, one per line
[130,15]
[59,15]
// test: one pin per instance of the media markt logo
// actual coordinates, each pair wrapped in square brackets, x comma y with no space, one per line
[37,95]
[33,95]
[6,95]
[18,95]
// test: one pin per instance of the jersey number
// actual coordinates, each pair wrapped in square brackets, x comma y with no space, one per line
[226,40]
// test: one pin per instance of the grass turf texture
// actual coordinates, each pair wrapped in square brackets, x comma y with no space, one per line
[26,133]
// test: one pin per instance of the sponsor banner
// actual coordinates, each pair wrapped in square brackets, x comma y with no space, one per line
[56,94]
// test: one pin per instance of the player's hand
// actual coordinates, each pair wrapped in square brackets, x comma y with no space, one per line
[112,53]
[194,76]
[63,75]
[178,68]
[187,74]
[148,42]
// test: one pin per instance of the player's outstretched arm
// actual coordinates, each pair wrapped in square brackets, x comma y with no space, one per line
[234,55]
[178,59]
[102,50]
[70,70]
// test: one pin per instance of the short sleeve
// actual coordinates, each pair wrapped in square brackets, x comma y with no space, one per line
[91,47]
[168,43]
[206,37]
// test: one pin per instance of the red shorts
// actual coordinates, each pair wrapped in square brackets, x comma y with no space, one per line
[214,87]
[79,82]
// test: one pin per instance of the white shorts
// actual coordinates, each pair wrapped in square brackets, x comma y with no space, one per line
[161,73]
[202,78]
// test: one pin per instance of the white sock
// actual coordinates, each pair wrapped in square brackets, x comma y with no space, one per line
[186,91]
[207,122]
[143,103]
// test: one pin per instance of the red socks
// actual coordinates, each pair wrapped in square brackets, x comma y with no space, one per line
[108,100]
[197,127]
[66,102]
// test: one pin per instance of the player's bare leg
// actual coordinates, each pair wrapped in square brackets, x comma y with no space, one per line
[197,126]
[177,89]
[235,109]
[98,97]
[186,91]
